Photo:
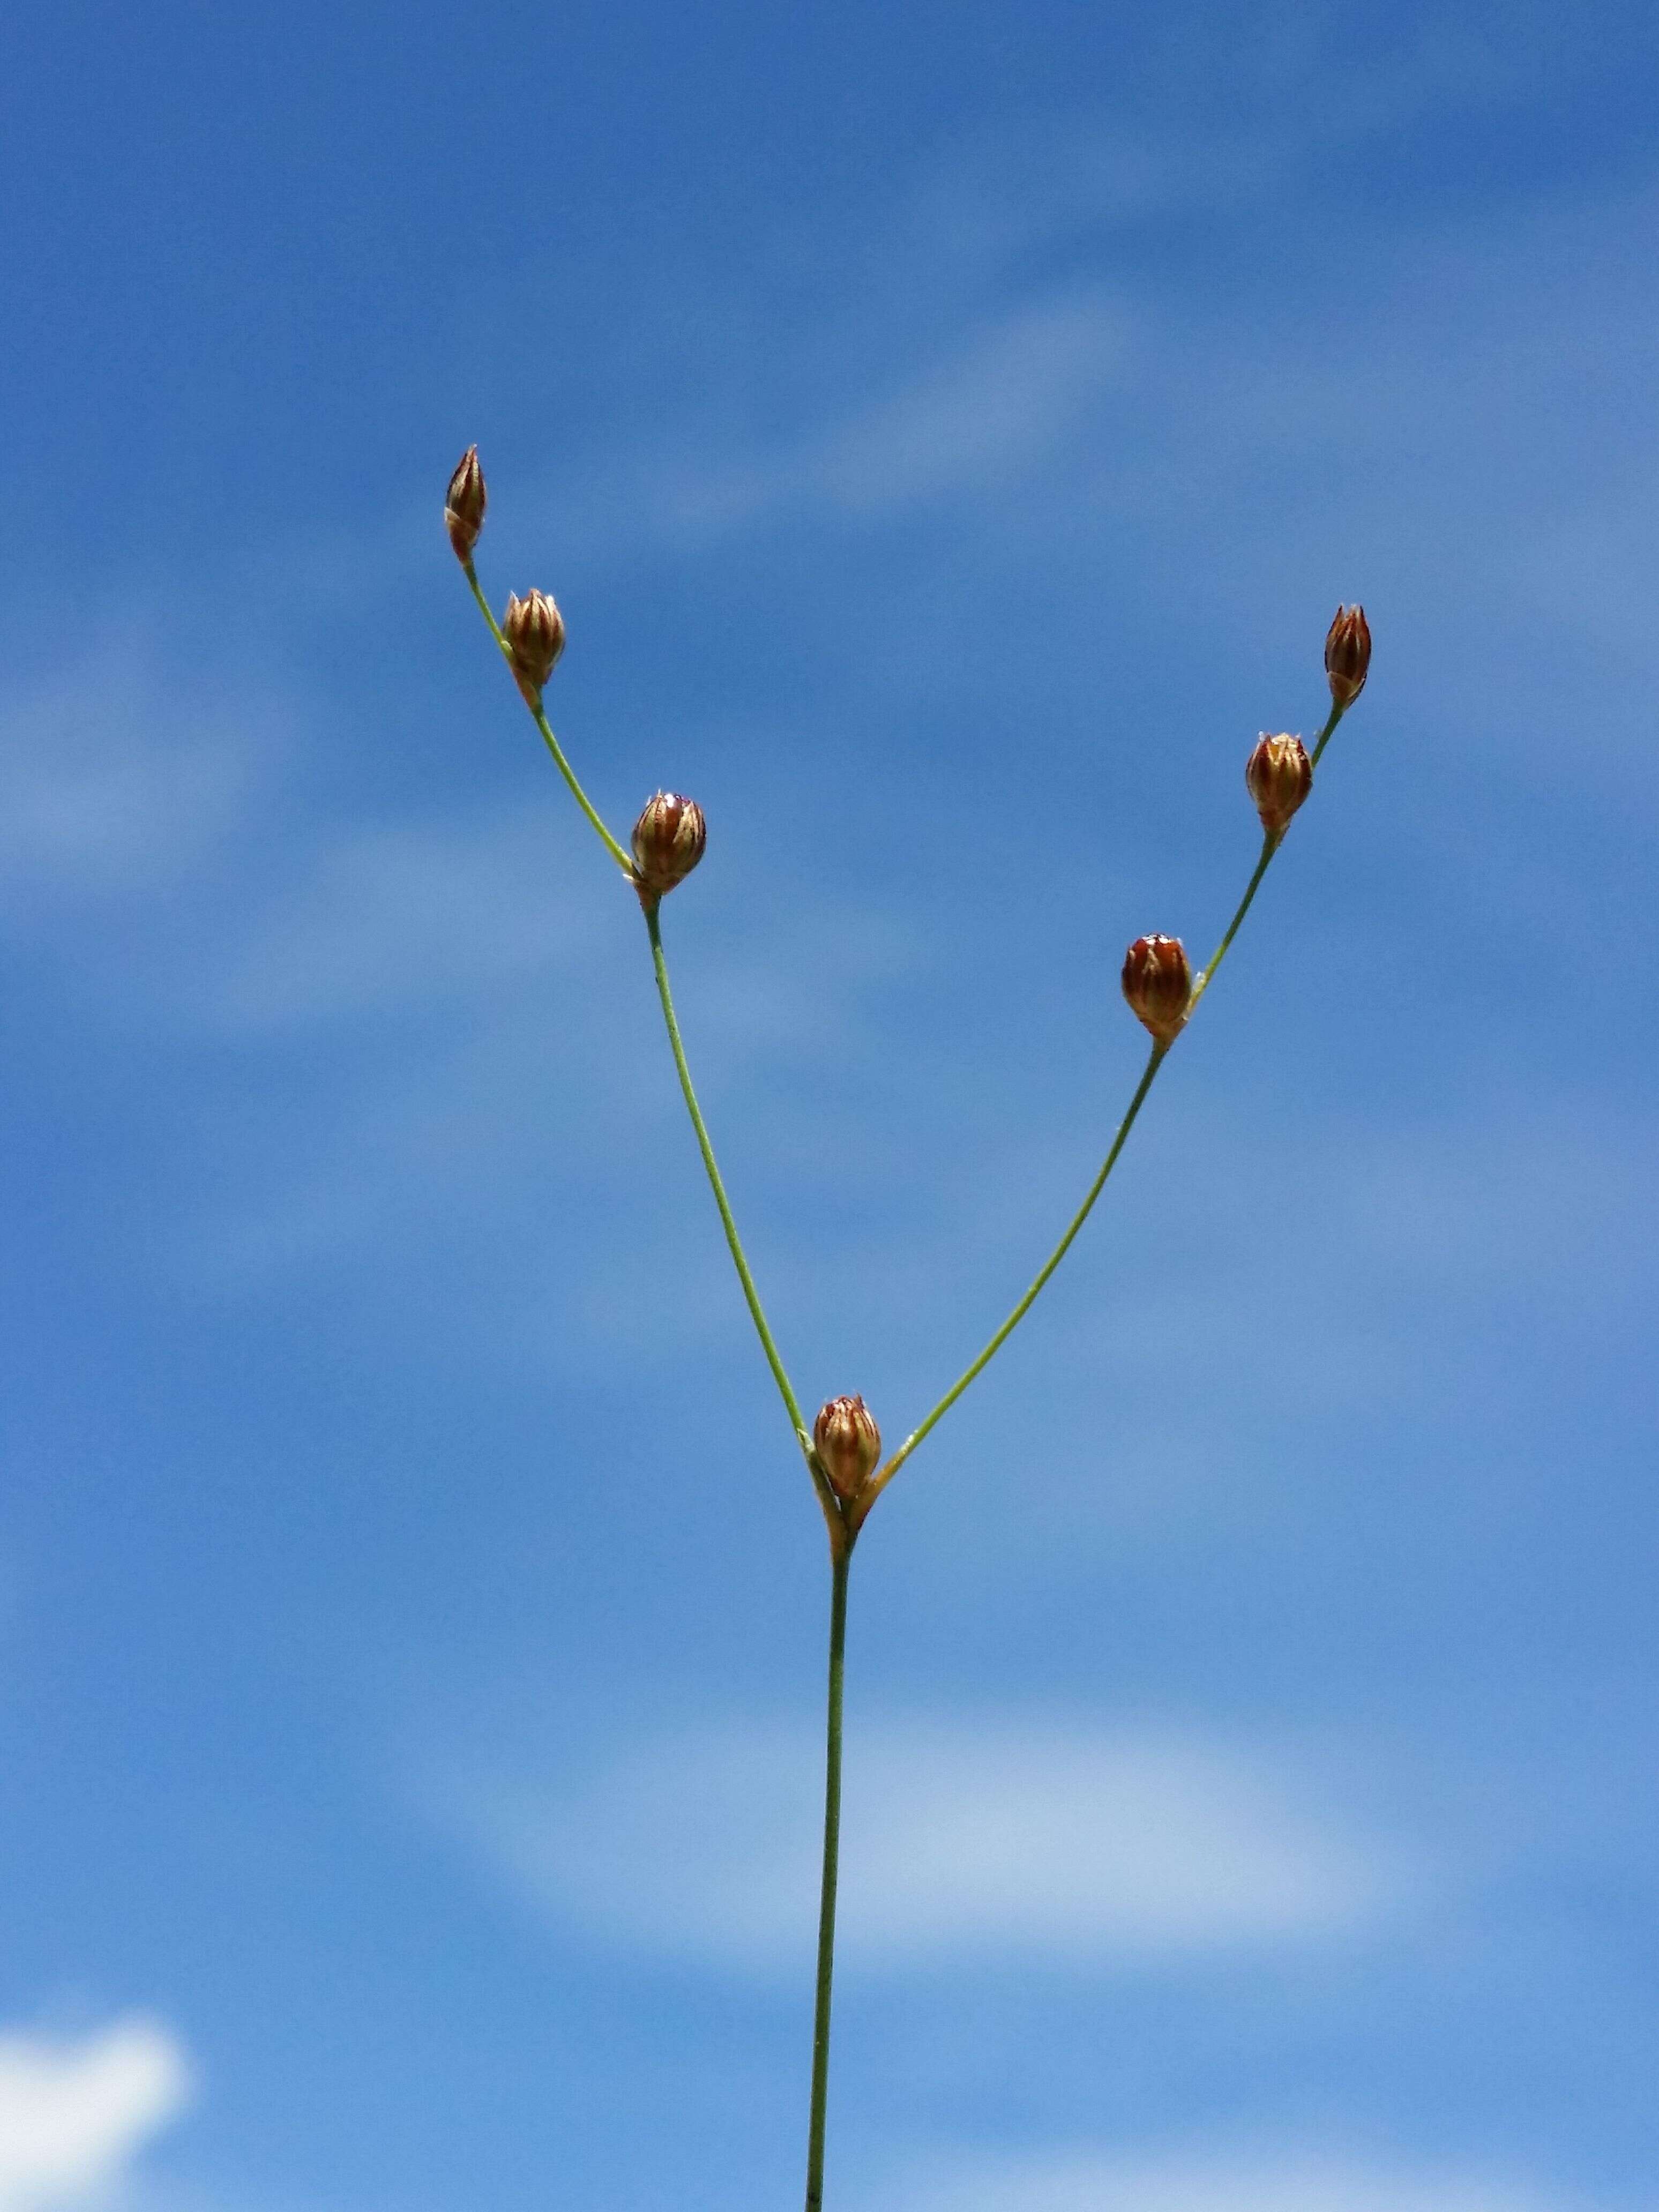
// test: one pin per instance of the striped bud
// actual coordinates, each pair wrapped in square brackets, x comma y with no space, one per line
[668,841]
[848,1444]
[463,505]
[1158,983]
[534,630]
[1280,776]
[1347,655]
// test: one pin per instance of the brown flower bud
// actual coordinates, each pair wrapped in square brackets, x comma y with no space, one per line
[1158,983]
[463,505]
[848,1444]
[668,841]
[1280,776]
[1347,655]
[534,630]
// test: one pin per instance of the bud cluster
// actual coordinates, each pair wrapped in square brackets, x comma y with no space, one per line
[847,1444]
[670,835]
[1158,983]
[1280,776]
[534,630]
[668,841]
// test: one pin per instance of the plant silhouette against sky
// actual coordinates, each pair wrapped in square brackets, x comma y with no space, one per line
[842,1450]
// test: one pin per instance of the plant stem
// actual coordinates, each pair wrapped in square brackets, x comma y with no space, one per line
[757,1312]
[547,738]
[873,1489]
[840,1560]
[878,1482]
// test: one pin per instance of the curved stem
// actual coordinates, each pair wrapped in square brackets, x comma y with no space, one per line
[757,1312]
[840,1562]
[1325,735]
[547,738]
[873,1489]
[1270,845]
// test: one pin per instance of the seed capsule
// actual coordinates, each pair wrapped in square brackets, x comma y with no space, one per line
[668,840]
[1158,983]
[1280,776]
[463,505]
[1347,655]
[848,1444]
[534,630]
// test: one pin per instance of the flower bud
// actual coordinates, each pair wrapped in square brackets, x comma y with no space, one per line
[668,841]
[463,505]
[1158,983]
[848,1444]
[1347,655]
[1280,776]
[534,630]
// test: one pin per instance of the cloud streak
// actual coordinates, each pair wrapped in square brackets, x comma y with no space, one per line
[1090,2181]
[1012,1837]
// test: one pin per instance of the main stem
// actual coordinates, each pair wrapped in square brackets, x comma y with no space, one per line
[840,1560]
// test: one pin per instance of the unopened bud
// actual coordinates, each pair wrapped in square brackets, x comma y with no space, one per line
[668,841]
[1347,655]
[1280,776]
[534,630]
[463,505]
[1158,983]
[848,1444]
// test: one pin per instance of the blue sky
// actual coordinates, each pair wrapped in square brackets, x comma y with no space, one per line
[947,432]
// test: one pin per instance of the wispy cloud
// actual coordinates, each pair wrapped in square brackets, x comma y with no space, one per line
[113,784]
[1004,401]
[73,2114]
[1013,1837]
[1088,2181]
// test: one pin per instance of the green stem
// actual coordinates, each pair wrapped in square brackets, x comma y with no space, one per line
[1325,735]
[840,1562]
[873,1489]
[1270,844]
[757,1312]
[547,738]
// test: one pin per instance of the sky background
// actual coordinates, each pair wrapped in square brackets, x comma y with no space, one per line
[948,431]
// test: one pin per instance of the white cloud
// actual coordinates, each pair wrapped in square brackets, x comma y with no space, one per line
[73,2114]
[1097,2182]
[1059,1843]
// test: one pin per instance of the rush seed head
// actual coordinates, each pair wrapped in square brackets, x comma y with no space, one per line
[463,505]
[1347,655]
[1158,983]
[1279,776]
[668,841]
[848,1444]
[534,630]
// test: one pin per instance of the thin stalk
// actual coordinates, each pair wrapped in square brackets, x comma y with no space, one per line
[873,1489]
[547,738]
[840,1562]
[757,1312]
[1270,845]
